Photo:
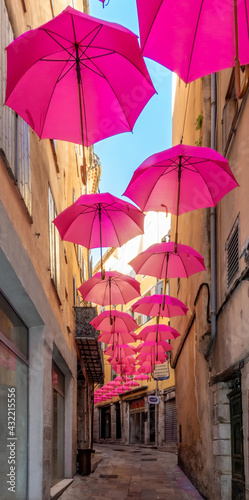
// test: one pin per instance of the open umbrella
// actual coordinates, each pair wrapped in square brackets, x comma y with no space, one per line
[181,179]
[122,322]
[197,37]
[163,260]
[100,220]
[148,347]
[77,78]
[120,351]
[115,288]
[157,332]
[141,376]
[117,338]
[152,305]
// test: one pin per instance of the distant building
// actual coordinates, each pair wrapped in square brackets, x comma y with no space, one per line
[39,277]
[211,362]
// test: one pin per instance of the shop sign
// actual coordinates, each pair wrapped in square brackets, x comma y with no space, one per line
[153,400]
[139,403]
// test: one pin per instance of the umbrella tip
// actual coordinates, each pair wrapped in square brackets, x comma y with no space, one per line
[102,274]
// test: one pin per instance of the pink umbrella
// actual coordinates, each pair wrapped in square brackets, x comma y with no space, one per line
[141,376]
[122,322]
[120,351]
[150,347]
[158,332]
[129,360]
[100,220]
[161,260]
[114,383]
[194,38]
[181,179]
[116,288]
[132,383]
[116,338]
[61,79]
[152,305]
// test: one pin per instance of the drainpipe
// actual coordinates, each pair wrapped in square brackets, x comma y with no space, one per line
[213,225]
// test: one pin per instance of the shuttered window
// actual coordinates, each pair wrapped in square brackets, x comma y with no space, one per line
[54,240]
[14,131]
[232,248]
[170,422]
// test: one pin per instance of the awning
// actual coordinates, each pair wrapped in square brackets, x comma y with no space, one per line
[86,338]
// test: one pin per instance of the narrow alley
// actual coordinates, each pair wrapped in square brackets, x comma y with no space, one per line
[131,472]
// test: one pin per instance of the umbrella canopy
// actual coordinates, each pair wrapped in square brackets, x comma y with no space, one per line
[115,288]
[181,179]
[116,338]
[121,322]
[152,305]
[131,383]
[120,351]
[114,383]
[100,220]
[77,78]
[161,260]
[141,376]
[154,346]
[205,177]
[194,38]
[157,332]
[126,360]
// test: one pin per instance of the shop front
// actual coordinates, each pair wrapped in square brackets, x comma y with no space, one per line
[137,421]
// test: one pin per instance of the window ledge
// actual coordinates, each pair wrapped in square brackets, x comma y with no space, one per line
[58,488]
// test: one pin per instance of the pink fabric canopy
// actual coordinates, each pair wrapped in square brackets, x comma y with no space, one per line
[161,260]
[115,288]
[77,64]
[152,305]
[205,177]
[100,220]
[117,338]
[122,322]
[193,38]
[158,332]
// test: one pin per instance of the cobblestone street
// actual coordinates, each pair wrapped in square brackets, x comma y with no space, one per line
[129,472]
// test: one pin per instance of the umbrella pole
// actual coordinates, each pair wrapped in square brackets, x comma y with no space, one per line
[110,295]
[84,177]
[100,240]
[240,92]
[165,280]
[178,201]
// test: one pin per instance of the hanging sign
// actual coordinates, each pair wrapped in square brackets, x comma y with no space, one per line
[161,372]
[153,400]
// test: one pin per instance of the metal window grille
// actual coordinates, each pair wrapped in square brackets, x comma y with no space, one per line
[14,132]
[54,241]
[232,247]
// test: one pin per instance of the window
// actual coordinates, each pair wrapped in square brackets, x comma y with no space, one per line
[14,131]
[13,402]
[54,240]
[232,250]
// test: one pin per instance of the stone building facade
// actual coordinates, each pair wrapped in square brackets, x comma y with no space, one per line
[39,277]
[211,357]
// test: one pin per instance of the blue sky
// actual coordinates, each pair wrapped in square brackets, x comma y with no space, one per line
[120,155]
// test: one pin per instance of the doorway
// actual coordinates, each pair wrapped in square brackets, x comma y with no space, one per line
[105,422]
[118,421]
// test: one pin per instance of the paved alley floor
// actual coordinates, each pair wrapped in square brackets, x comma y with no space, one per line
[135,473]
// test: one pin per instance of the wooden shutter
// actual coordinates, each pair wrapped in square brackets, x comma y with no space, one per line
[170,422]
